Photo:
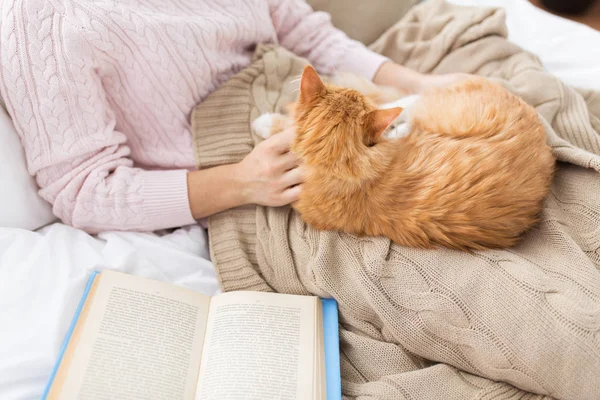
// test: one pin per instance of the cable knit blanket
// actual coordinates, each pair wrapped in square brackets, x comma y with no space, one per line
[438,324]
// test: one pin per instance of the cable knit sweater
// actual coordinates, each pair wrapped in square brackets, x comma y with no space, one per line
[101,91]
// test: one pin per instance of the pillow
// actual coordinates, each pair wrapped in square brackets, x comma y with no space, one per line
[20,204]
[363,20]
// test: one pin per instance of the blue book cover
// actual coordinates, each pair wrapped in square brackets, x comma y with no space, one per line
[330,334]
[332,349]
[65,342]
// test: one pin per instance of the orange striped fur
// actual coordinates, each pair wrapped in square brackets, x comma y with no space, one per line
[472,173]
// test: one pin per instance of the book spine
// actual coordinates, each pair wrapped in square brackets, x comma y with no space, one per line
[332,349]
[65,342]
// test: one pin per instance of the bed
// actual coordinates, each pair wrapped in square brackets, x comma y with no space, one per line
[43,272]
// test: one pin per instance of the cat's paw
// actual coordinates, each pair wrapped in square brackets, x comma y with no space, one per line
[263,125]
[398,131]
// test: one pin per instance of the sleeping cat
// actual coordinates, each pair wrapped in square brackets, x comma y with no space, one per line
[471,173]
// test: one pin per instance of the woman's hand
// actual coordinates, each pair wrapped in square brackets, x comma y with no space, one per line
[408,80]
[431,81]
[270,175]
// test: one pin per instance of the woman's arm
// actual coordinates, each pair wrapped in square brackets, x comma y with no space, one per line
[81,162]
[395,75]
[391,74]
[311,35]
[269,176]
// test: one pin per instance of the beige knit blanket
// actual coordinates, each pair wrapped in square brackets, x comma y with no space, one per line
[522,323]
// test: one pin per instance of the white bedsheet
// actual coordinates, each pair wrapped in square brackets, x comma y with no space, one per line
[570,50]
[42,274]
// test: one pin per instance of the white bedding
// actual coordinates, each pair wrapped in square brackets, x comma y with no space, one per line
[42,274]
[570,50]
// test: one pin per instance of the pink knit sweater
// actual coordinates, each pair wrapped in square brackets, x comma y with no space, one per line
[101,91]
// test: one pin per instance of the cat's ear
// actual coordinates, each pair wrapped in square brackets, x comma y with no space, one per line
[382,119]
[310,84]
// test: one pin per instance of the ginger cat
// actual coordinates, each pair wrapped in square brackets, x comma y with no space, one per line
[472,173]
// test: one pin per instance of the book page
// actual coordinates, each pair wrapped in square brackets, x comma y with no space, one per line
[320,378]
[141,339]
[259,346]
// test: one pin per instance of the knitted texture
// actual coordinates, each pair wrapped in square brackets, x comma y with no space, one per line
[438,324]
[100,92]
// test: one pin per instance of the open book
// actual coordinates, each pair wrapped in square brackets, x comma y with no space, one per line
[135,338]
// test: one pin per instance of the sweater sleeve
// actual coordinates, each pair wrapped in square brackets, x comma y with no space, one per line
[311,35]
[50,83]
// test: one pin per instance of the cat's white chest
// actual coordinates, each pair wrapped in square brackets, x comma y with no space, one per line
[400,127]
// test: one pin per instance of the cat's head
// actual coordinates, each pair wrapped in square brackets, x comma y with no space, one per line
[336,125]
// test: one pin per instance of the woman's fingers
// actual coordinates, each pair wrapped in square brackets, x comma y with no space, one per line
[281,142]
[271,171]
[293,177]
[291,195]
[288,161]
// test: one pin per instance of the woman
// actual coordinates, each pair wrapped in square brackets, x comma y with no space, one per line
[100,93]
